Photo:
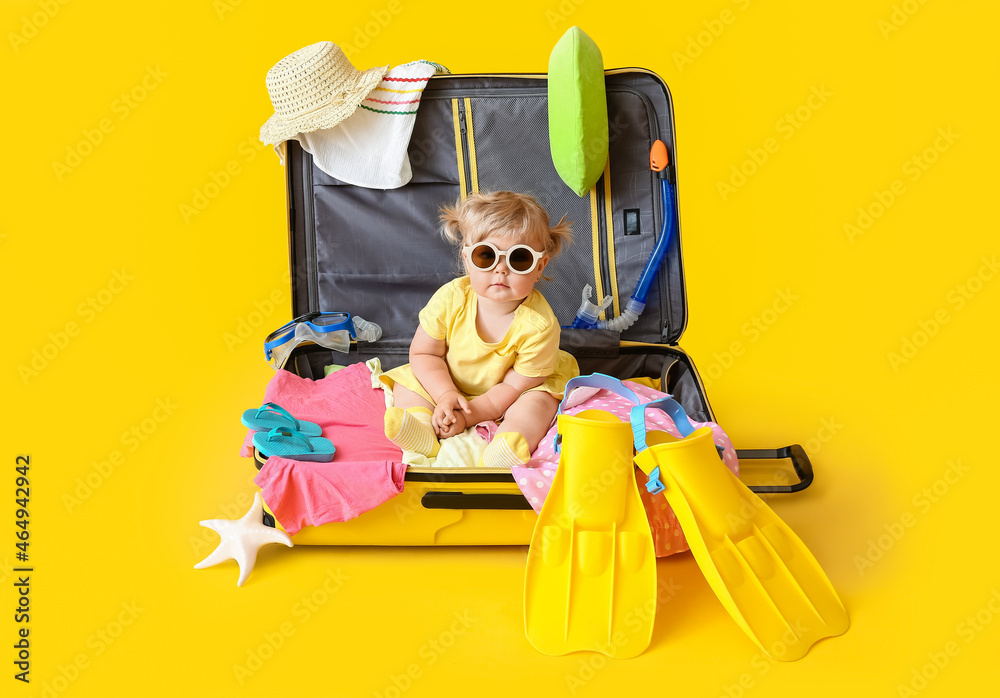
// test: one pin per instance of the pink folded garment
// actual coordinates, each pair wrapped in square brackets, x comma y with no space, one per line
[311,494]
[367,469]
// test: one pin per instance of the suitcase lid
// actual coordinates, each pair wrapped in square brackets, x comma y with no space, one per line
[378,253]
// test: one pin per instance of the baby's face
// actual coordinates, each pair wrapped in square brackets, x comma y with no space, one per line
[500,283]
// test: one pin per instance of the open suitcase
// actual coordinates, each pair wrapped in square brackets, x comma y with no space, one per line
[378,254]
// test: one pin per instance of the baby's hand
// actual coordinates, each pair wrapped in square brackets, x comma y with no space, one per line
[447,405]
[456,426]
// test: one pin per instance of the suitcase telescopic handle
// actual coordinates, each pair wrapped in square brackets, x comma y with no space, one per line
[461,500]
[800,463]
[795,453]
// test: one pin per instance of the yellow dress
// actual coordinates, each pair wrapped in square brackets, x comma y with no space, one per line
[530,347]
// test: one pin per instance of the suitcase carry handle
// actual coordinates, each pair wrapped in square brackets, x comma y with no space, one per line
[800,462]
[461,500]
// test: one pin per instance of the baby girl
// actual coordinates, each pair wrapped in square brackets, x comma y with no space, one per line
[487,346]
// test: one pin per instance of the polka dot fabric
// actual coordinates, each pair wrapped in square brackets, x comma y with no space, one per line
[535,479]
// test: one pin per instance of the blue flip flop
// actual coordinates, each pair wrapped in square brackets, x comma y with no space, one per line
[271,415]
[288,443]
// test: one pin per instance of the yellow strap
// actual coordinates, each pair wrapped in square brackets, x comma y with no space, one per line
[595,234]
[458,149]
[609,218]
[472,145]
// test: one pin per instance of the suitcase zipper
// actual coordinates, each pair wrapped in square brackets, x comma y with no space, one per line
[602,241]
[468,181]
[309,237]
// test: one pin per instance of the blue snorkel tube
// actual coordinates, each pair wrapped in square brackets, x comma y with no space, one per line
[588,314]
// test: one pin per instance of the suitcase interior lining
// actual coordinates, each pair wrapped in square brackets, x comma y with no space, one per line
[354,240]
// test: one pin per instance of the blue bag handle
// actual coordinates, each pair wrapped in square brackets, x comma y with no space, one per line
[594,380]
[598,380]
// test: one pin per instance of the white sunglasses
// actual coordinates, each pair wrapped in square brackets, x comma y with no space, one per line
[521,259]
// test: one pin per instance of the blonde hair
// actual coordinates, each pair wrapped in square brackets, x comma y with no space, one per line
[504,214]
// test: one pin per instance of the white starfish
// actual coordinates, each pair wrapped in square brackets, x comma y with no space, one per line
[242,538]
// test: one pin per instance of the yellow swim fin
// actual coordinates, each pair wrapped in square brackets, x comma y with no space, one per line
[590,582]
[762,573]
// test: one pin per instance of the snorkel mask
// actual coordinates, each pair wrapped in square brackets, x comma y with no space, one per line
[332,330]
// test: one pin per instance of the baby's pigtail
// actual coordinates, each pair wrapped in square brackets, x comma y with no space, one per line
[560,235]
[449,223]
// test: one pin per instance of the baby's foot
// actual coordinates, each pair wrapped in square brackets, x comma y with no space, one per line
[506,450]
[411,430]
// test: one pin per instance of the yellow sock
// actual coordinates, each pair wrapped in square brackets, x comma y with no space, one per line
[411,430]
[506,450]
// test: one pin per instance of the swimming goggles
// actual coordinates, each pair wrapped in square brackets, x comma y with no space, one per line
[521,259]
[315,323]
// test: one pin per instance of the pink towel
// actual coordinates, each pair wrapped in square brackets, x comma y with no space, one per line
[310,494]
[367,469]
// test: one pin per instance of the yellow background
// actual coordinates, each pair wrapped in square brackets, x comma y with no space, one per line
[879,432]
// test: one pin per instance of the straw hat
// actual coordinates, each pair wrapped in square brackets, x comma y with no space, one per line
[315,87]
